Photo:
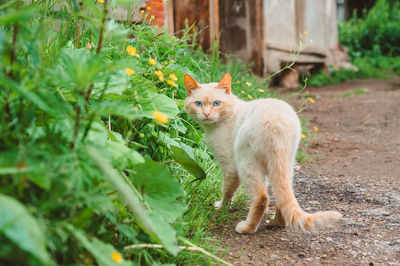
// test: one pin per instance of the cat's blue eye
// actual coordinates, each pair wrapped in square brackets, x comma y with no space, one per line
[198,103]
[217,103]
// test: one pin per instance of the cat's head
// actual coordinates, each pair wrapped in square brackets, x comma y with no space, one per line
[209,103]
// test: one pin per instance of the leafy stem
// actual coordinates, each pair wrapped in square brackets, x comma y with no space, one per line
[103,22]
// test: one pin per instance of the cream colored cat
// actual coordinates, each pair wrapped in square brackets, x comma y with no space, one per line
[255,144]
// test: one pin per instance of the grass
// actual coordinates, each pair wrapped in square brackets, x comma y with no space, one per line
[368,68]
[359,91]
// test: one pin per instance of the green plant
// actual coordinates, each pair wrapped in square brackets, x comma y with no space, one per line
[368,67]
[95,152]
[372,42]
[376,34]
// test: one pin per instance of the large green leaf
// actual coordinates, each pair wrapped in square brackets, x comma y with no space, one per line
[114,146]
[18,225]
[78,68]
[122,156]
[183,158]
[160,189]
[105,254]
[151,101]
[183,155]
[151,222]
[116,83]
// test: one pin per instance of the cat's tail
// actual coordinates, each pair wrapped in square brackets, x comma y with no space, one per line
[288,208]
[298,219]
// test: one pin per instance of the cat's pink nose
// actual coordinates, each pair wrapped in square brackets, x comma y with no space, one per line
[206,114]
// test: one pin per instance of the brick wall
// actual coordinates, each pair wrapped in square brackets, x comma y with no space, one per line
[155,10]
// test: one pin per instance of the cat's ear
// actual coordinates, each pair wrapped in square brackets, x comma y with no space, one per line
[225,83]
[190,84]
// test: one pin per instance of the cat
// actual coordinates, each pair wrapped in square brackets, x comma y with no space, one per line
[255,144]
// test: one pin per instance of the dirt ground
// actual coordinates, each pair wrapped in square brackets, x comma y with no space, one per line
[355,170]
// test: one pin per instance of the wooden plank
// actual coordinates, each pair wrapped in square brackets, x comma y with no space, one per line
[187,12]
[214,20]
[256,42]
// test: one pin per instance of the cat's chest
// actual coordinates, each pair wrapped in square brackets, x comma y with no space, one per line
[220,142]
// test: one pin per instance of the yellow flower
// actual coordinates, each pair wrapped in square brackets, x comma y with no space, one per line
[159,74]
[170,82]
[260,90]
[237,81]
[305,33]
[173,77]
[117,257]
[248,83]
[311,100]
[311,41]
[152,17]
[100,1]
[129,71]
[160,117]
[243,92]
[315,129]
[303,136]
[142,12]
[250,97]
[88,46]
[152,61]
[149,8]
[131,50]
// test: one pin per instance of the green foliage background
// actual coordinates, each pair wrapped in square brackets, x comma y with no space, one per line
[85,169]
[372,42]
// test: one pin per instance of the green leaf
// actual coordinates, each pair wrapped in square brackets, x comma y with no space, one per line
[122,156]
[78,68]
[160,189]
[151,101]
[20,15]
[18,225]
[152,223]
[116,83]
[117,108]
[183,158]
[127,231]
[28,94]
[102,252]
[184,155]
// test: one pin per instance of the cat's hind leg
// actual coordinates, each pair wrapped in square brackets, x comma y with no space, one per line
[229,187]
[252,177]
[278,219]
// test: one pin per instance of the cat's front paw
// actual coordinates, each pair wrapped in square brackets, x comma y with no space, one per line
[243,228]
[218,204]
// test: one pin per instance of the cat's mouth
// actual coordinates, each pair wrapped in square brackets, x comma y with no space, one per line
[207,120]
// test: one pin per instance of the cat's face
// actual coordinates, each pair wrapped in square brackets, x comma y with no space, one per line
[209,103]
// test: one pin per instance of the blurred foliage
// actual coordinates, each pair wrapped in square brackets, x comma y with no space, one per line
[376,34]
[368,67]
[95,150]
[372,42]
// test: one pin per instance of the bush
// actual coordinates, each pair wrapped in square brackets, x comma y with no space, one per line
[368,67]
[94,148]
[377,34]
[373,44]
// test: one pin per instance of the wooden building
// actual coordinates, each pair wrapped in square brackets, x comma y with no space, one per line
[264,33]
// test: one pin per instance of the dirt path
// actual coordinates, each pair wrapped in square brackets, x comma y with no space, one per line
[355,170]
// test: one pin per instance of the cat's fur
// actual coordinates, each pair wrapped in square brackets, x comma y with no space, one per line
[255,144]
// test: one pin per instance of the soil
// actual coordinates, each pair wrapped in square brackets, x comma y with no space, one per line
[355,169]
